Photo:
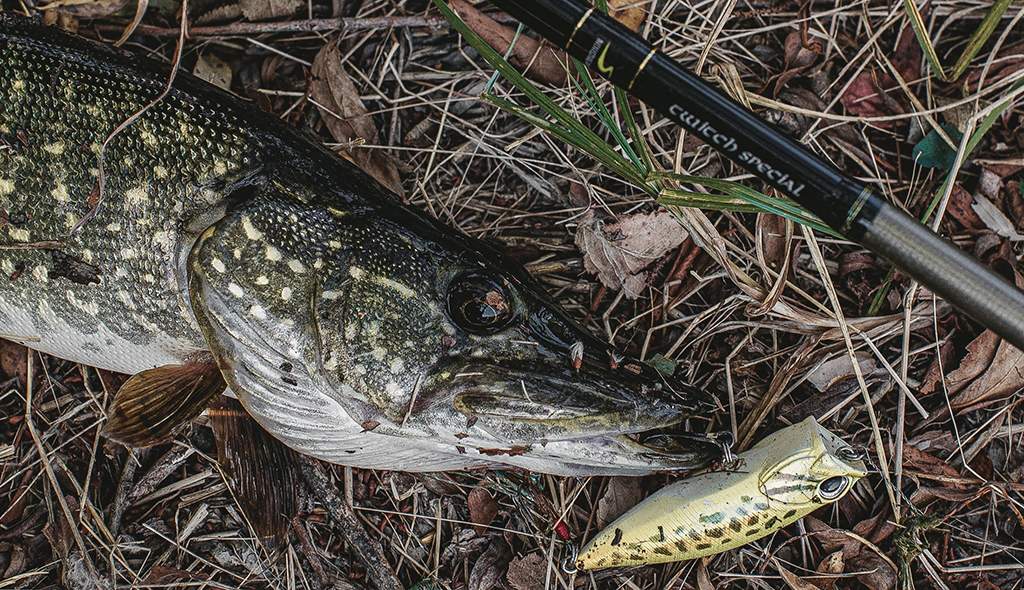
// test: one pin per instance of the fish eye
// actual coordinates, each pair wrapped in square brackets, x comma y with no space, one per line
[478,303]
[832,488]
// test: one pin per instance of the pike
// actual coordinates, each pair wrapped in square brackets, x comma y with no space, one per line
[226,249]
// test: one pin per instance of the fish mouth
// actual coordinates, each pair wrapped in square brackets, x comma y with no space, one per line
[522,402]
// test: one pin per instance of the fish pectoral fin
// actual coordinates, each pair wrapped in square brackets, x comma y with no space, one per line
[263,473]
[153,405]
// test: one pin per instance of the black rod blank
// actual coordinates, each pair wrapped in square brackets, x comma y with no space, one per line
[848,206]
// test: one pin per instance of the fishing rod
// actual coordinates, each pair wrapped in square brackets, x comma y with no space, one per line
[848,206]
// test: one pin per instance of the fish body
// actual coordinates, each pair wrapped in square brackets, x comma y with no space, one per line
[353,328]
[784,477]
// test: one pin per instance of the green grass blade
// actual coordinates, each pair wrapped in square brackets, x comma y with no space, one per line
[980,36]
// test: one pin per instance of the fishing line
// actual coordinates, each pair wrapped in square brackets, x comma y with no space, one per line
[849,206]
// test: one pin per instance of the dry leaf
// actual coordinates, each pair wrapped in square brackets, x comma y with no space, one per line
[86,8]
[918,460]
[13,360]
[839,368]
[870,569]
[980,353]
[214,70]
[482,509]
[491,566]
[794,581]
[703,578]
[346,116]
[527,572]
[994,219]
[622,494]
[619,252]
[1004,376]
[257,10]
[833,565]
[627,12]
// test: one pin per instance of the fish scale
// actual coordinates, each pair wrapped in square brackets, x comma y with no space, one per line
[229,247]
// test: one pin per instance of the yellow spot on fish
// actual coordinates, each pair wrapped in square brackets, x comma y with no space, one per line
[160,172]
[6,187]
[7,267]
[262,280]
[379,353]
[148,138]
[235,290]
[137,195]
[334,244]
[286,293]
[397,366]
[60,192]
[318,264]
[115,226]
[56,148]
[218,265]
[273,254]
[399,287]
[355,272]
[18,235]
[258,312]
[330,295]
[18,84]
[237,253]
[296,266]
[251,232]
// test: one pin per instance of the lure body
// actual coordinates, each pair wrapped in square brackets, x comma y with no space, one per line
[781,479]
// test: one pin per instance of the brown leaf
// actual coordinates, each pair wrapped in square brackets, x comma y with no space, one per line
[489,568]
[833,565]
[13,360]
[872,570]
[622,494]
[926,463]
[794,581]
[627,12]
[980,353]
[542,63]
[934,375]
[346,117]
[867,95]
[1003,377]
[961,208]
[214,70]
[87,9]
[257,10]
[619,252]
[875,529]
[527,572]
[482,509]
[798,58]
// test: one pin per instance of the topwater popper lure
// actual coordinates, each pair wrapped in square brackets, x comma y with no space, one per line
[228,247]
[781,479]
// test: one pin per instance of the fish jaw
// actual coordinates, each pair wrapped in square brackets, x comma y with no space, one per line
[783,478]
[336,326]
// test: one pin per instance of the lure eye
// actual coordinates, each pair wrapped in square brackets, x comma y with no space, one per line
[832,488]
[479,304]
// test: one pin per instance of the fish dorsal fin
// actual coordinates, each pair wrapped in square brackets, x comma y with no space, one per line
[264,474]
[153,405]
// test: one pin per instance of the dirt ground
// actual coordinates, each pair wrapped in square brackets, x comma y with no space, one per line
[748,317]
